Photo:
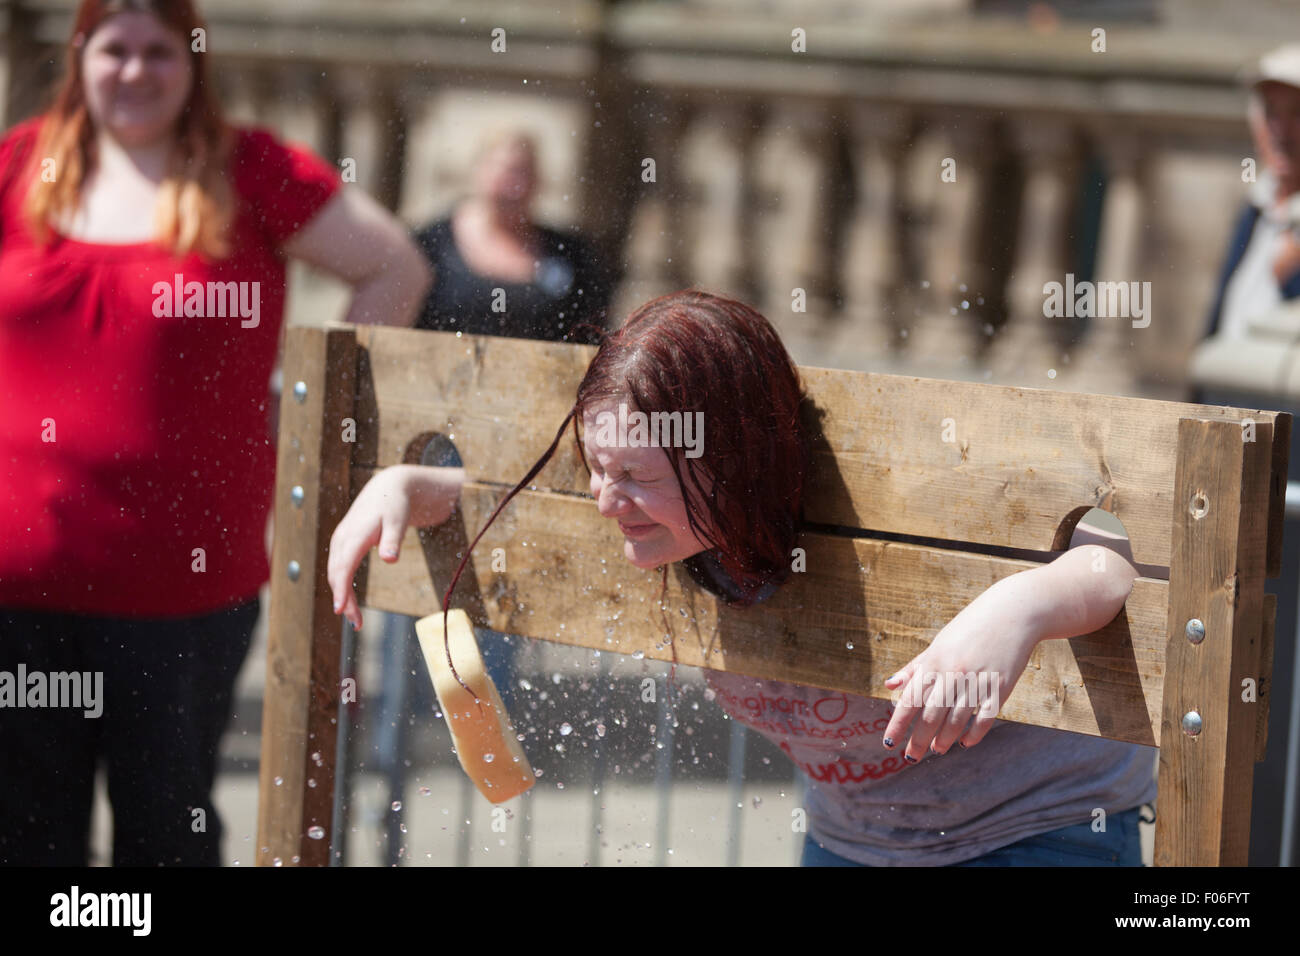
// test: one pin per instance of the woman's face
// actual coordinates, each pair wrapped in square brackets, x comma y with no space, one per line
[508,174]
[636,487]
[136,77]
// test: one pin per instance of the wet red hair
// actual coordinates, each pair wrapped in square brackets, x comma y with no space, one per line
[692,351]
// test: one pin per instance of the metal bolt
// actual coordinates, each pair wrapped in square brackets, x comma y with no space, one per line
[297,494]
[294,570]
[300,391]
[1191,723]
[1195,630]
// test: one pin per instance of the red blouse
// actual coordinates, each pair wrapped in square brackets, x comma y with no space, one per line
[133,428]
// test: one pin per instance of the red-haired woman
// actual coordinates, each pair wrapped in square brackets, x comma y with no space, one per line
[1028,795]
[143,247]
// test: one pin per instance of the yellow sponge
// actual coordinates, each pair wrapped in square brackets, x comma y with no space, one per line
[481,732]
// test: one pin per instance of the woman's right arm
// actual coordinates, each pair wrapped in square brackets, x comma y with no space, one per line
[395,498]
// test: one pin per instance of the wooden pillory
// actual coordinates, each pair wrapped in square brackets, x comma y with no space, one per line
[1200,489]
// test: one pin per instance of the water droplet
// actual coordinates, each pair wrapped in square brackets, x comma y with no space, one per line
[397,805]
[425,791]
[600,730]
[277,862]
[638,655]
[488,758]
[849,645]
[565,729]
[316,833]
[279,780]
[758,802]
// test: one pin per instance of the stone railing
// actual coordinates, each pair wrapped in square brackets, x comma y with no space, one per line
[912,186]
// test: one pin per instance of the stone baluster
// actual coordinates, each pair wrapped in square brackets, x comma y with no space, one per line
[723,238]
[806,258]
[875,265]
[657,244]
[945,332]
[299,112]
[371,141]
[242,100]
[1029,346]
[1104,362]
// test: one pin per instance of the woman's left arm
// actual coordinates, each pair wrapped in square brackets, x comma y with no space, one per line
[356,239]
[992,638]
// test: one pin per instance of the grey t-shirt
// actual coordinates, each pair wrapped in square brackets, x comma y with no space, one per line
[865,803]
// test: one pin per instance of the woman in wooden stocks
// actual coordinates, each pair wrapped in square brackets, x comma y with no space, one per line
[925,782]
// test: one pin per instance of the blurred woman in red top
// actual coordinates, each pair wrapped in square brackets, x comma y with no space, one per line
[143,247]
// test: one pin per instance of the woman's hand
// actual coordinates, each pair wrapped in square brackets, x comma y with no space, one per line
[975,661]
[393,499]
[968,670]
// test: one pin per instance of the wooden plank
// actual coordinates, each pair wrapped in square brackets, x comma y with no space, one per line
[1021,466]
[301,703]
[1220,529]
[863,608]
[1265,676]
[500,400]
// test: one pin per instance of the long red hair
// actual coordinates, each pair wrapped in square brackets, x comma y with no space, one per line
[195,202]
[692,351]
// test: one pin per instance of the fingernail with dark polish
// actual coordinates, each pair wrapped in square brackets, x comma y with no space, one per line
[963,745]
[889,742]
[910,759]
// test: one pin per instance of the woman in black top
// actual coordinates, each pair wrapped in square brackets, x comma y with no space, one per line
[498,273]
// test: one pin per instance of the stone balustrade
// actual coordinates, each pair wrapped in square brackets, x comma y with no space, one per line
[896,197]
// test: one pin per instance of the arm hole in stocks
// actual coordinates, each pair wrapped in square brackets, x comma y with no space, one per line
[1086,533]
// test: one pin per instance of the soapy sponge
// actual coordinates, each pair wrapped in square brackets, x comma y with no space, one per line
[481,732]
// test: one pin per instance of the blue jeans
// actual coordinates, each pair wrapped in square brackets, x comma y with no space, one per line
[1074,845]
